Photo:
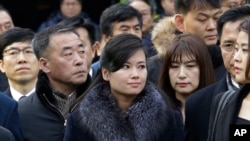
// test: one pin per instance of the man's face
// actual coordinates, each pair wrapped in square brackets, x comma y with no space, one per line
[168,6]
[5,22]
[131,26]
[84,36]
[71,8]
[65,64]
[228,4]
[147,17]
[20,63]
[203,23]
[228,40]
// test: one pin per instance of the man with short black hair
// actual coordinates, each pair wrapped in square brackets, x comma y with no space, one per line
[118,19]
[198,105]
[18,62]
[64,77]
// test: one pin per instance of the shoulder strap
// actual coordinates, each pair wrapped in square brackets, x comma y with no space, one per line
[222,102]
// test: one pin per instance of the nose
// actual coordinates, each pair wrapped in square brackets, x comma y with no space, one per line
[211,24]
[135,73]
[237,55]
[21,57]
[182,72]
[79,59]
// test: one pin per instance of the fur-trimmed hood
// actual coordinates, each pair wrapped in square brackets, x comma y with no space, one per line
[163,33]
[148,119]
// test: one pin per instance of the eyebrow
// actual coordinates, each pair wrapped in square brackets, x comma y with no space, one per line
[140,62]
[126,26]
[7,22]
[70,47]
[18,48]
[206,15]
[244,44]
[190,61]
[228,41]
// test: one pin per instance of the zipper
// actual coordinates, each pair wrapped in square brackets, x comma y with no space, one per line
[59,112]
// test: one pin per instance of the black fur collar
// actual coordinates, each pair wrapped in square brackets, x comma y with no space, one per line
[145,120]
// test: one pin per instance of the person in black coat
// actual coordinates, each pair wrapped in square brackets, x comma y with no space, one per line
[121,104]
[63,77]
[188,19]
[18,62]
[236,109]
[9,118]
[198,105]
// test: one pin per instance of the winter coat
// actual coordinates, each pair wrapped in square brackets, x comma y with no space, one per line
[9,118]
[229,114]
[162,36]
[98,118]
[39,117]
[197,110]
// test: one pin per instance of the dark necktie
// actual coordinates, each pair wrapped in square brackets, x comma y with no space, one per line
[22,97]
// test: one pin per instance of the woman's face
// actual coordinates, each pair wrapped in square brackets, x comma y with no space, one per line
[241,58]
[129,80]
[184,74]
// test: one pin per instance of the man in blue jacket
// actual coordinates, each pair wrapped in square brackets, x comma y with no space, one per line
[9,118]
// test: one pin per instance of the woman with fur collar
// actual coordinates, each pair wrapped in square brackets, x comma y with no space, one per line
[121,105]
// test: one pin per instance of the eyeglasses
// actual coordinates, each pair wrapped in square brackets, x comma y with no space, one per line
[229,47]
[14,52]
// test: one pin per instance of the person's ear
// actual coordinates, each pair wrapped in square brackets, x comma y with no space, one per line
[106,38]
[44,65]
[179,22]
[1,66]
[105,74]
[95,48]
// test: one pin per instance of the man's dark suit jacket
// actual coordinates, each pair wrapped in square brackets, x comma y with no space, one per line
[197,110]
[9,116]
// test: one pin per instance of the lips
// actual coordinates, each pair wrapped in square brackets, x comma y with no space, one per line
[22,68]
[80,72]
[237,69]
[211,37]
[135,84]
[182,84]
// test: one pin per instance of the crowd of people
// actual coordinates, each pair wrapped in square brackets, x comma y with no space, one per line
[183,75]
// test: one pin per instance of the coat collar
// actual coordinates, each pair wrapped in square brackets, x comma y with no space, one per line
[43,88]
[145,120]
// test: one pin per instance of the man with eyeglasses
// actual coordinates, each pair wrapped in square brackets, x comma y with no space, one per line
[198,105]
[18,62]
